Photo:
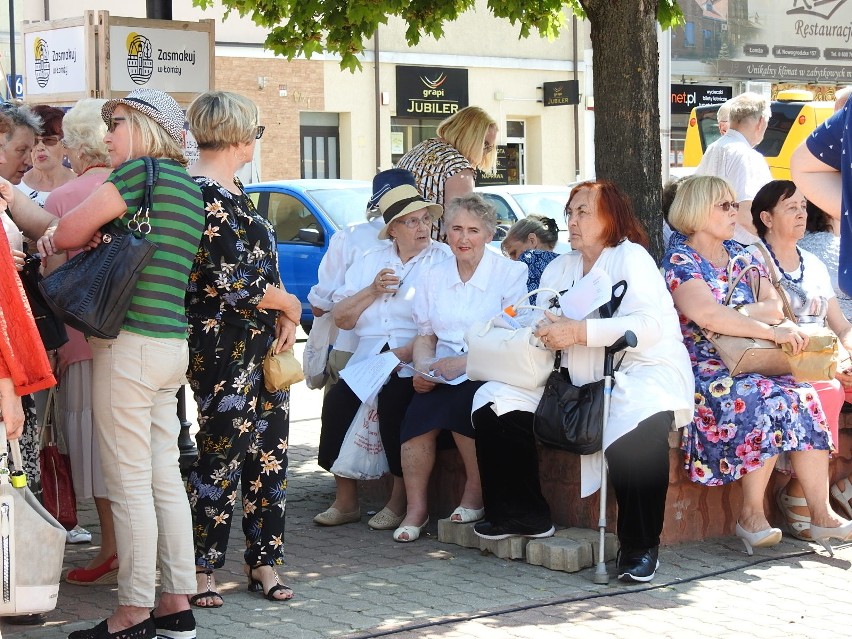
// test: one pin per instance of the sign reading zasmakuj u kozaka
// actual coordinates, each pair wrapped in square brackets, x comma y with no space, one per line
[162,59]
[55,61]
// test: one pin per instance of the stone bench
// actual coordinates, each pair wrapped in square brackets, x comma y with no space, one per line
[693,512]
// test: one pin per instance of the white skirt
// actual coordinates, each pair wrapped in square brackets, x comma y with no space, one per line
[75,405]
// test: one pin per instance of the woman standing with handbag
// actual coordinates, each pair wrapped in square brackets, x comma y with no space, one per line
[236,306]
[136,376]
[780,216]
[742,423]
[83,130]
[653,392]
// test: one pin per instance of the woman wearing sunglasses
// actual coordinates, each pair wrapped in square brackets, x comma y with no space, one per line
[741,424]
[48,172]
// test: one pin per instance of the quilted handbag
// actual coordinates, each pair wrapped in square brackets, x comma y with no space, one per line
[92,291]
[499,352]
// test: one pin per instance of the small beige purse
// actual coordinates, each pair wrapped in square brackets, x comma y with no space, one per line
[281,371]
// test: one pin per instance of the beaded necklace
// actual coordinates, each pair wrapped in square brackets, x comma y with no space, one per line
[787,276]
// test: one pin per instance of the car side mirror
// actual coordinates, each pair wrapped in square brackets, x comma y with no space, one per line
[311,236]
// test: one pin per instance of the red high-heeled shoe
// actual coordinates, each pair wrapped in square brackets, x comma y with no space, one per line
[102,574]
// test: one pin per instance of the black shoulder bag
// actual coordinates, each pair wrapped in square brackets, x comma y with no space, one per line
[92,291]
[50,327]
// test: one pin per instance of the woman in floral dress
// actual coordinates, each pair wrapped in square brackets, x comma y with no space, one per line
[236,307]
[742,423]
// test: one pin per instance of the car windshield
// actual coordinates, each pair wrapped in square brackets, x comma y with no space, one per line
[344,206]
[547,204]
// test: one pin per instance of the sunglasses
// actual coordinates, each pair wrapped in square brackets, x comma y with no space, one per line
[487,146]
[727,206]
[114,122]
[47,140]
[259,133]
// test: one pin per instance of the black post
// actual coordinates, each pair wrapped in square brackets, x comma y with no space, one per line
[158,9]
[12,66]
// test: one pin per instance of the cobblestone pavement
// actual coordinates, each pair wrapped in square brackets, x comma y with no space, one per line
[352,582]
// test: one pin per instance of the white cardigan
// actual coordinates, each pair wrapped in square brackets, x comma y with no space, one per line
[655,376]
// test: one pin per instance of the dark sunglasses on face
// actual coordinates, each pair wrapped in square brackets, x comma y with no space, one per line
[727,206]
[114,122]
[47,140]
[259,133]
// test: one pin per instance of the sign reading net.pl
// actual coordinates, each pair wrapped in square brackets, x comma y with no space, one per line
[55,61]
[164,59]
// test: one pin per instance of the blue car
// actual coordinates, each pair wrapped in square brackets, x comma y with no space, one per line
[305,214]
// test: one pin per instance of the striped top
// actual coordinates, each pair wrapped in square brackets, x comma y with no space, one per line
[177,221]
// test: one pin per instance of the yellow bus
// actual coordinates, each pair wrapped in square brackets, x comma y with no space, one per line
[794,116]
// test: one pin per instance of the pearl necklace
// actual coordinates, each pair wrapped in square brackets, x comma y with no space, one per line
[787,276]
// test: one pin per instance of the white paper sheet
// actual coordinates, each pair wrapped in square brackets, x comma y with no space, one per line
[432,377]
[366,378]
[586,295]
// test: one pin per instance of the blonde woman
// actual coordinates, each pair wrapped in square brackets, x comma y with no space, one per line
[445,167]
[137,375]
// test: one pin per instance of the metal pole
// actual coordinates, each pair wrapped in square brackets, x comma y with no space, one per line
[158,9]
[12,68]
[576,107]
[378,92]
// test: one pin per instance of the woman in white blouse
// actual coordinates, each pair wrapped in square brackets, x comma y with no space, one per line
[653,390]
[375,302]
[474,286]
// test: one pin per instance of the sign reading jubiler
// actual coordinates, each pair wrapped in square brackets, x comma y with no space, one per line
[55,61]
[561,93]
[430,92]
[159,59]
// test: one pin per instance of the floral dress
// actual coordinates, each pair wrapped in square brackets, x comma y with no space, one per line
[536,261]
[741,421]
[243,428]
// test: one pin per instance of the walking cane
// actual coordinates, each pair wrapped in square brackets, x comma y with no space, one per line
[628,339]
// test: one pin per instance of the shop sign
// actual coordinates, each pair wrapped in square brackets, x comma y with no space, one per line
[55,61]
[430,92]
[769,40]
[164,59]
[685,97]
[501,172]
[563,92]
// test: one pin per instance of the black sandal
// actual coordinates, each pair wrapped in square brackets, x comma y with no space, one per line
[255,585]
[142,630]
[193,601]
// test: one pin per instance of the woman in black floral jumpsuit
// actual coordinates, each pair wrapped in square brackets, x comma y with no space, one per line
[236,306]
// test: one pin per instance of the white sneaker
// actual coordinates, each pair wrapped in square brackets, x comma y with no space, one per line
[78,535]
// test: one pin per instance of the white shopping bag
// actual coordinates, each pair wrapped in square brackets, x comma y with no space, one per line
[315,359]
[362,455]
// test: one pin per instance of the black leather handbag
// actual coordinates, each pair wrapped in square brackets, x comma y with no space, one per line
[92,291]
[50,327]
[570,417]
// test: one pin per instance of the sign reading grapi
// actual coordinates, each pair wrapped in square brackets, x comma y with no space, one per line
[163,59]
[563,92]
[430,92]
[55,61]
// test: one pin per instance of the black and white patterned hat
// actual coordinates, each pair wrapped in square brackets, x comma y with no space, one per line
[159,106]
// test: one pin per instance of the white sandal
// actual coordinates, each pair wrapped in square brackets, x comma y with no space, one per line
[467,515]
[797,525]
[413,532]
[843,496]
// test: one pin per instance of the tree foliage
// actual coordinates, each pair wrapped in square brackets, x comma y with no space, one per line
[344,27]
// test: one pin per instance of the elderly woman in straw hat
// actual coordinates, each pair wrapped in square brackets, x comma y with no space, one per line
[137,375]
[376,302]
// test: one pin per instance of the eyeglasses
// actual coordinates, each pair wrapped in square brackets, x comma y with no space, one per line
[414,222]
[727,206]
[259,133]
[47,140]
[114,122]
[487,146]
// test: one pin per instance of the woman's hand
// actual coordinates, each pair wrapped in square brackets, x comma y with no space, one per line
[385,281]
[557,332]
[789,333]
[11,409]
[422,385]
[844,377]
[7,193]
[18,258]
[451,367]
[285,333]
[45,242]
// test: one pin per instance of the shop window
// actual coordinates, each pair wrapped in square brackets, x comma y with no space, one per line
[689,35]
[320,149]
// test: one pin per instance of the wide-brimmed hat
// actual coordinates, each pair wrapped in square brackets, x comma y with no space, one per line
[159,106]
[395,194]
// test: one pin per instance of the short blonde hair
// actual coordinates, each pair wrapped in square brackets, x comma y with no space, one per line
[695,197]
[153,138]
[746,106]
[84,129]
[466,130]
[221,119]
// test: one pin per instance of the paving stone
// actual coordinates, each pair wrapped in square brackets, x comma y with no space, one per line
[511,548]
[450,532]
[558,553]
[592,537]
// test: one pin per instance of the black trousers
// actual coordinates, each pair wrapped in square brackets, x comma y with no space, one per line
[339,407]
[638,471]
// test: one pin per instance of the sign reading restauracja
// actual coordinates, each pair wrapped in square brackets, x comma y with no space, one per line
[803,41]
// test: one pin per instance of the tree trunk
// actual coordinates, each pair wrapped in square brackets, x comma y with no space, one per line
[627,138]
